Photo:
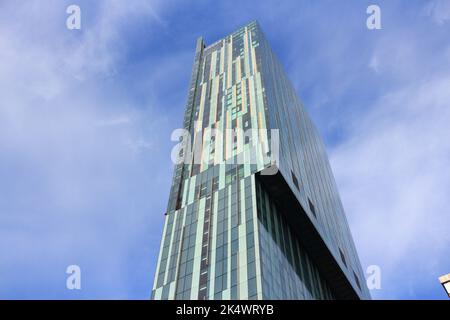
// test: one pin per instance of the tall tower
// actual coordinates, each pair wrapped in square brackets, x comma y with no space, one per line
[254,211]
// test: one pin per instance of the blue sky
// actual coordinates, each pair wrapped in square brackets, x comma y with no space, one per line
[86,117]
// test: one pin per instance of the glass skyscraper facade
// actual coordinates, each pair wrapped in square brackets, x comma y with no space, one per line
[254,211]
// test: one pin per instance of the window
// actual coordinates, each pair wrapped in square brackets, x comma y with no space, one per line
[252,287]
[447,287]
[312,208]
[342,257]
[203,280]
[202,190]
[294,179]
[202,294]
[357,280]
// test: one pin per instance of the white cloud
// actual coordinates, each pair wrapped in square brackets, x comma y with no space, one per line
[392,168]
[101,44]
[374,64]
[394,179]
[72,192]
[439,11]
[115,121]
[138,145]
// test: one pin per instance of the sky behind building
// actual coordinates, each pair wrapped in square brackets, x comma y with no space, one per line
[86,117]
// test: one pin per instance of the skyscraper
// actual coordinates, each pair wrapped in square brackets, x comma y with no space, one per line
[254,211]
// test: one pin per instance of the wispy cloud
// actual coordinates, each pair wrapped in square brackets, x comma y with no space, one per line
[374,64]
[138,145]
[86,116]
[119,120]
[391,168]
[393,178]
[439,11]
[74,144]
